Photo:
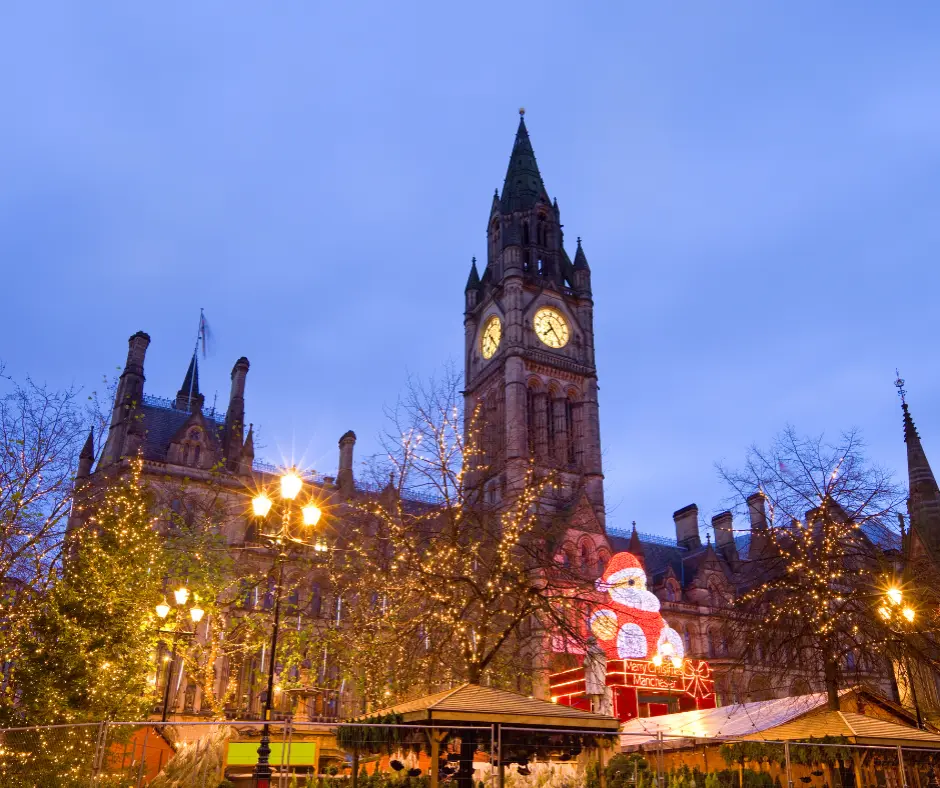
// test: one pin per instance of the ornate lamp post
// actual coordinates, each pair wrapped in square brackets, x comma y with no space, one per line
[181,595]
[281,538]
[900,617]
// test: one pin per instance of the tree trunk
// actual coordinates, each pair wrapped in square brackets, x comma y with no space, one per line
[467,749]
[832,684]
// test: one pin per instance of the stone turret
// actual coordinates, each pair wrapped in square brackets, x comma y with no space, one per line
[235,415]
[760,546]
[722,525]
[686,520]
[344,475]
[127,398]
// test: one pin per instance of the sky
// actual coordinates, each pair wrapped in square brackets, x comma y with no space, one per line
[757,186]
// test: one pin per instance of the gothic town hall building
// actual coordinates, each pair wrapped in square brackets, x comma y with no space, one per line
[532,375]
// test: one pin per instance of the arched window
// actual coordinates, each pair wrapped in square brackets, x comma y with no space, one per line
[570,431]
[672,591]
[525,233]
[712,643]
[687,640]
[602,560]
[530,419]
[715,597]
[587,560]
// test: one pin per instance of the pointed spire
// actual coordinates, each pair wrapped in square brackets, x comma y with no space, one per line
[88,450]
[473,281]
[635,546]
[87,457]
[923,502]
[523,185]
[920,475]
[580,259]
[189,391]
[246,456]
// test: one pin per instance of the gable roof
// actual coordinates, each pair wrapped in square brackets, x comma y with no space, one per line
[791,718]
[487,705]
[161,422]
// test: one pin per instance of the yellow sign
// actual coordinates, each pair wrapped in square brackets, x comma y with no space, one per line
[245,753]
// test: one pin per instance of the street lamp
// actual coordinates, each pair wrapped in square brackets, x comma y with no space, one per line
[181,595]
[281,539]
[895,613]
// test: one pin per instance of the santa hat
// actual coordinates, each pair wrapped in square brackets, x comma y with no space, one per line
[622,567]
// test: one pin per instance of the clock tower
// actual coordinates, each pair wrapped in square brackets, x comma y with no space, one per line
[529,356]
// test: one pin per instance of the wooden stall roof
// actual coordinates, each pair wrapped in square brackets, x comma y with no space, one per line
[475,705]
[858,728]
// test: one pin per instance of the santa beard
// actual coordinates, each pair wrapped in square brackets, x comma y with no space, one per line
[638,598]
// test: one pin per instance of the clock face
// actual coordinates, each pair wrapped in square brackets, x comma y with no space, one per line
[489,339]
[551,327]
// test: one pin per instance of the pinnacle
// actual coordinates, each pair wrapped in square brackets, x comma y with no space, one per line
[189,392]
[580,259]
[88,450]
[473,281]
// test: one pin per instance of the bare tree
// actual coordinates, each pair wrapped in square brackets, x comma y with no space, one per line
[438,582]
[41,435]
[820,560]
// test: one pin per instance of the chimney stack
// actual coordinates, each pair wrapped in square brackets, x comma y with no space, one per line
[760,541]
[722,525]
[129,392]
[344,476]
[235,415]
[686,520]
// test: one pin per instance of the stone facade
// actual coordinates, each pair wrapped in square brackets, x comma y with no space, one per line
[536,396]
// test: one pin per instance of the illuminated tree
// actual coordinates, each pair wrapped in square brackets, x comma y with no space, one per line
[822,552]
[436,582]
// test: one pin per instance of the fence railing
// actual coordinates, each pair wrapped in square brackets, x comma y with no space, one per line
[322,755]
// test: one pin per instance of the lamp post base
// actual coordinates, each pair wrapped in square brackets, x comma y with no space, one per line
[262,772]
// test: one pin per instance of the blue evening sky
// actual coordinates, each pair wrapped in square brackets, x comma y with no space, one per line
[757,185]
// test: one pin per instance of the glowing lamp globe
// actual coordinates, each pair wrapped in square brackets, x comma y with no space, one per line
[657,660]
[311,514]
[196,614]
[677,662]
[181,594]
[261,505]
[908,613]
[163,609]
[291,485]
[894,595]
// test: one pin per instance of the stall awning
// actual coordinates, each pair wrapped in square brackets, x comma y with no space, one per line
[476,705]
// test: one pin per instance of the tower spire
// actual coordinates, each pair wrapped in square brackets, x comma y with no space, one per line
[523,185]
[189,391]
[923,501]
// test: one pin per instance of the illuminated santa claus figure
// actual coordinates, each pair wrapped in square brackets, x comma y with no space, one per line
[628,624]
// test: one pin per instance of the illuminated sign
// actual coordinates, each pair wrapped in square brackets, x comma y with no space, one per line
[693,678]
